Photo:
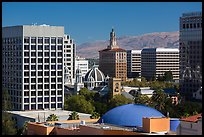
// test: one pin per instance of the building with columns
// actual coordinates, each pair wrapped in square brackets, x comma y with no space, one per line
[112,60]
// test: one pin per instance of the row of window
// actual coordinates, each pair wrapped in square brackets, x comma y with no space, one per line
[40,54]
[40,99]
[40,106]
[47,40]
[40,93]
[40,67]
[40,86]
[192,25]
[40,60]
[40,80]
[13,40]
[40,47]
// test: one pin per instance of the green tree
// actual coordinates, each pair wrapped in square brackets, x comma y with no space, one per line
[118,100]
[95,115]
[52,117]
[80,104]
[8,125]
[168,76]
[73,116]
[142,99]
[100,108]
[89,95]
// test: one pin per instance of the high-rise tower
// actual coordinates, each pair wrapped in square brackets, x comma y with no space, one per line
[112,60]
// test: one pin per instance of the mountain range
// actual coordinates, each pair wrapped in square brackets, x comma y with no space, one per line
[149,40]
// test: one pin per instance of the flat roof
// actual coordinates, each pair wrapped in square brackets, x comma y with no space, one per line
[62,114]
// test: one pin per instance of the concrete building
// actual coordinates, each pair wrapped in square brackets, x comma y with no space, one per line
[190,126]
[69,60]
[21,117]
[83,65]
[156,61]
[190,47]
[33,66]
[112,60]
[133,63]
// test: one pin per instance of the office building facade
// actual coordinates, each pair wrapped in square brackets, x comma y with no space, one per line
[133,63]
[33,66]
[190,46]
[156,61]
[83,65]
[113,60]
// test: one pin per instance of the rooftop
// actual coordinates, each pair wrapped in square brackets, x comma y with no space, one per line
[194,118]
[114,49]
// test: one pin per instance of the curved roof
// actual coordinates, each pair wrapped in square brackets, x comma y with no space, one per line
[129,115]
[96,74]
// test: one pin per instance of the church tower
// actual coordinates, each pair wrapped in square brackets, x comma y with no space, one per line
[78,83]
[113,43]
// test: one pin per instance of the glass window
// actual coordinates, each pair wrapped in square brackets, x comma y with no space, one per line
[40,54]
[47,54]
[53,40]
[26,54]
[26,47]
[60,40]
[33,40]
[40,47]
[40,40]
[47,40]
[33,60]
[26,60]
[53,47]
[53,60]
[33,47]
[26,40]
[53,54]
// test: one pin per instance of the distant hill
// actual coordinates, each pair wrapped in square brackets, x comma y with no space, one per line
[157,39]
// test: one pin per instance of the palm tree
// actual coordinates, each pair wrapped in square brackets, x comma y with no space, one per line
[52,117]
[95,115]
[73,116]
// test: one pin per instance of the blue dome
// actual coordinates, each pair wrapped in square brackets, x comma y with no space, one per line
[129,115]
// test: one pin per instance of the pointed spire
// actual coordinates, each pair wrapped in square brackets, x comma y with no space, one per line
[112,40]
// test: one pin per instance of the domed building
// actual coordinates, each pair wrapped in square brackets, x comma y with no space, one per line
[94,78]
[129,115]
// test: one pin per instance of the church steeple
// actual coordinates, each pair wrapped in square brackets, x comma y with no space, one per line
[113,43]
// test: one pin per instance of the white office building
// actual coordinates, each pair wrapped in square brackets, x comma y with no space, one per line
[133,63]
[83,65]
[33,66]
[156,61]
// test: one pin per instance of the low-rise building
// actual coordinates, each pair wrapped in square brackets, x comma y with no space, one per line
[190,126]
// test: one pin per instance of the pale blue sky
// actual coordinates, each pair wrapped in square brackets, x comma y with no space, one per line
[90,21]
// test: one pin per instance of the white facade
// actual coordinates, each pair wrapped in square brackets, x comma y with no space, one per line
[32,66]
[83,65]
[133,63]
[156,61]
[69,60]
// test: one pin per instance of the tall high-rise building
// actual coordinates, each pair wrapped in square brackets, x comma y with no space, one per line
[33,66]
[83,65]
[69,60]
[133,63]
[190,47]
[156,61]
[112,60]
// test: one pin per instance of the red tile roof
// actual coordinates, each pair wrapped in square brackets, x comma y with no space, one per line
[192,118]
[115,49]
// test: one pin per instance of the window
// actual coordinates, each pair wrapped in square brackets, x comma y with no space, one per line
[26,40]
[26,73]
[33,47]
[26,60]
[40,54]
[59,48]
[59,98]
[40,73]
[40,106]
[26,100]
[40,60]
[59,105]
[53,73]
[198,25]
[46,73]
[53,40]
[59,92]
[33,80]
[53,86]
[40,67]
[53,80]
[46,93]
[26,47]
[53,54]
[33,93]
[59,79]
[26,93]
[40,86]
[59,66]
[59,60]
[59,73]
[47,60]
[46,80]
[47,40]
[33,60]
[53,67]
[47,47]
[53,47]
[26,86]
[40,99]
[59,86]
[53,105]
[33,86]
[26,80]
[33,67]
[53,92]
[47,54]
[59,54]
[60,40]
[40,80]
[46,106]
[46,66]
[40,93]
[184,26]
[46,86]
[40,40]
[26,67]
[26,54]
[33,54]
[53,60]
[33,40]
[53,99]
[46,99]
[40,47]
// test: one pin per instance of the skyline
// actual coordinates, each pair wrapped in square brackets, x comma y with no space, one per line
[91,21]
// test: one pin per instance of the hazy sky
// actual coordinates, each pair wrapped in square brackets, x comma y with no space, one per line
[90,21]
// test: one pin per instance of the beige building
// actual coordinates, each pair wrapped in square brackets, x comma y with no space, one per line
[156,61]
[115,86]
[112,60]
